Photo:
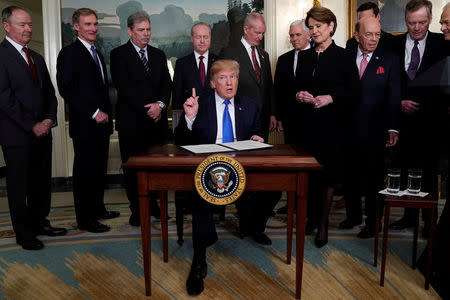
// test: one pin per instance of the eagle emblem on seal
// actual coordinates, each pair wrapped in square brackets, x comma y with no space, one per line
[220,178]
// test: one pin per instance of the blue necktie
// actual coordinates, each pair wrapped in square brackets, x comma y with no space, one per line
[94,55]
[227,127]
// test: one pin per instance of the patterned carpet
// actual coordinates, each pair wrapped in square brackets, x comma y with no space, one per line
[83,265]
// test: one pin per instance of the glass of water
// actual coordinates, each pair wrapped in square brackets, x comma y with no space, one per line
[393,180]
[414,181]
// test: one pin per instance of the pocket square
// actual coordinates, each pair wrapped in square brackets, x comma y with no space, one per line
[380,70]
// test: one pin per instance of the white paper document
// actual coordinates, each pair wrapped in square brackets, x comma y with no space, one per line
[206,148]
[402,193]
[246,145]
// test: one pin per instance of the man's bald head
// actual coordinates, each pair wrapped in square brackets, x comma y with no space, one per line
[368,33]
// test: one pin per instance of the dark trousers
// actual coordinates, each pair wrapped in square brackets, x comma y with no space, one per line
[365,177]
[254,210]
[28,180]
[203,227]
[89,176]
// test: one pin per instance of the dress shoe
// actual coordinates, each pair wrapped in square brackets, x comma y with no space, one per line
[426,231]
[31,243]
[349,224]
[194,283]
[309,228]
[135,220]
[94,226]
[401,224]
[52,231]
[109,215]
[366,233]
[261,238]
[320,242]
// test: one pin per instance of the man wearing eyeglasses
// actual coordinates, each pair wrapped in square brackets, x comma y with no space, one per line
[418,50]
[375,124]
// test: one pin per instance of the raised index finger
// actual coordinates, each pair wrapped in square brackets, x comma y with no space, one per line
[193,93]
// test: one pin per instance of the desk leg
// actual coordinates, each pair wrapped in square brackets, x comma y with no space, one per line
[430,247]
[164,225]
[302,192]
[387,213]
[144,208]
[290,225]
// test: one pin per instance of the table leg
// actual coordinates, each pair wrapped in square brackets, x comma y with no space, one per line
[290,225]
[415,237]
[430,247]
[164,225]
[144,209]
[302,192]
[377,225]
[385,239]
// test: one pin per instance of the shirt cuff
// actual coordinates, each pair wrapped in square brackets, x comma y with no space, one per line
[95,114]
[189,122]
[393,130]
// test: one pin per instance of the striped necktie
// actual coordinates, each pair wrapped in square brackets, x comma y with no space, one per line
[144,60]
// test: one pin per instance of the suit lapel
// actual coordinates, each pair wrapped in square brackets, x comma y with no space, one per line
[90,60]
[374,62]
[426,58]
[238,118]
[193,64]
[18,58]
[247,62]
[212,118]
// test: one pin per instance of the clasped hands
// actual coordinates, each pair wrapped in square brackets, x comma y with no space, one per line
[41,129]
[154,111]
[318,102]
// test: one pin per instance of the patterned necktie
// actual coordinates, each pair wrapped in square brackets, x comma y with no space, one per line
[144,60]
[227,127]
[30,62]
[94,55]
[256,66]
[415,61]
[201,69]
[363,66]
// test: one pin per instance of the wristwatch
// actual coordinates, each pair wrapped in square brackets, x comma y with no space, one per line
[161,104]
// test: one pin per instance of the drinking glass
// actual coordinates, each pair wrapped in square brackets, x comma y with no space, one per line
[414,181]
[393,180]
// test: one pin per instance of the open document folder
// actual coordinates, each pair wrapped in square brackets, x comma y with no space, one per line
[227,147]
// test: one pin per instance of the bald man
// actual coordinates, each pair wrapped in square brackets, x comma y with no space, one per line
[375,124]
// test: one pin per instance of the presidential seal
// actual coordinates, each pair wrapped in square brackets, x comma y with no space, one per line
[220,179]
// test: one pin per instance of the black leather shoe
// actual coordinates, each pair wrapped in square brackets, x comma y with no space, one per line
[349,224]
[426,231]
[94,226]
[31,243]
[366,233]
[261,238]
[110,215]
[320,243]
[52,231]
[135,220]
[401,224]
[194,283]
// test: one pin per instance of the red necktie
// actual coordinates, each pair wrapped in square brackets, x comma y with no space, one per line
[256,66]
[30,62]
[201,69]
[363,66]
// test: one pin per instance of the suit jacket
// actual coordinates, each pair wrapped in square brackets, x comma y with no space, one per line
[248,86]
[81,85]
[387,42]
[379,107]
[23,101]
[136,88]
[204,128]
[187,77]
[284,87]
[424,121]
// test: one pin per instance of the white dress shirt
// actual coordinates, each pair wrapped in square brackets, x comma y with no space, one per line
[19,48]
[248,47]
[220,107]
[408,48]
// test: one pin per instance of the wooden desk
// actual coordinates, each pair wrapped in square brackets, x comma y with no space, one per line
[168,167]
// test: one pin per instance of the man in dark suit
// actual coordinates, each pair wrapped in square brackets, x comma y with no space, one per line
[203,123]
[370,9]
[184,78]
[284,82]
[255,82]
[83,83]
[375,124]
[141,77]
[422,108]
[27,113]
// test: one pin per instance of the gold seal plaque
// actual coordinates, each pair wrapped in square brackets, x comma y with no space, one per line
[220,179]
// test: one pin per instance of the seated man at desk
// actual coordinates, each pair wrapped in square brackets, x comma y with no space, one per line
[219,117]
